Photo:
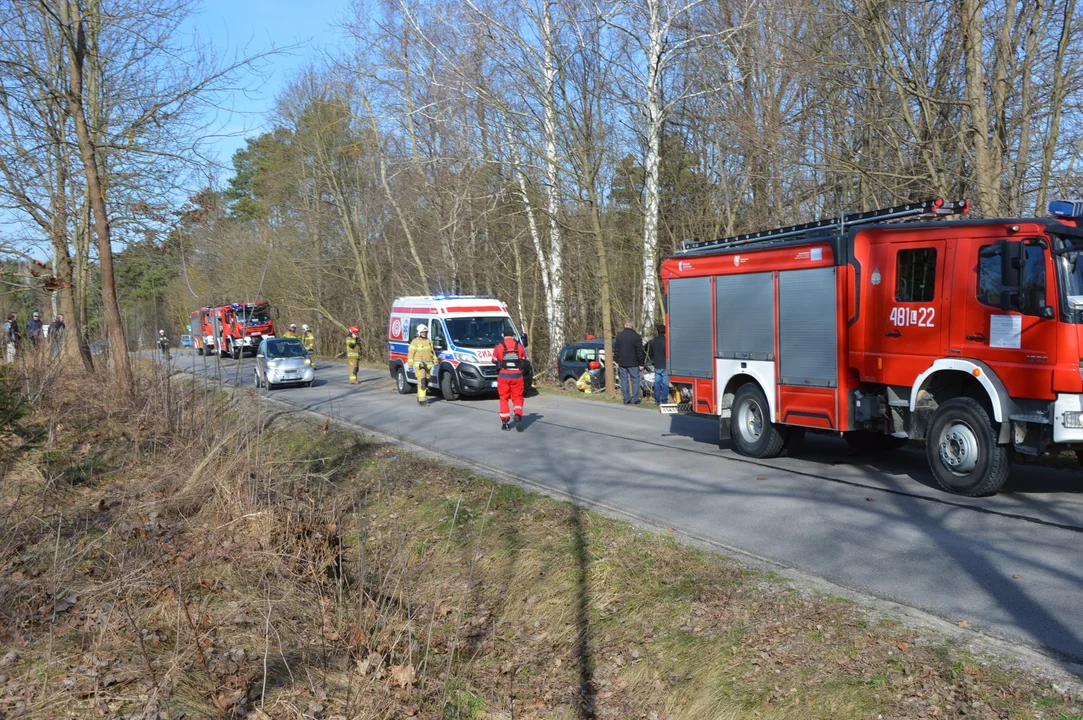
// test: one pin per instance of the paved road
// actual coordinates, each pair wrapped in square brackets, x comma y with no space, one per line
[875,525]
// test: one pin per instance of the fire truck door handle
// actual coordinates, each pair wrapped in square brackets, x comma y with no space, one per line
[976,338]
[893,333]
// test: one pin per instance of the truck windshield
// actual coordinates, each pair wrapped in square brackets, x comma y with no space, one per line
[258,315]
[478,332]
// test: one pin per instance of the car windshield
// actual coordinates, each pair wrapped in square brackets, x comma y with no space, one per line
[478,332]
[284,348]
[258,315]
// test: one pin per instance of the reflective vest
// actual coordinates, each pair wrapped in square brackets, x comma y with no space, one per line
[421,351]
[290,334]
[509,358]
[309,341]
[353,348]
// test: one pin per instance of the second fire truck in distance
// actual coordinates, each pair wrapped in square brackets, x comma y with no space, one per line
[231,330]
[965,334]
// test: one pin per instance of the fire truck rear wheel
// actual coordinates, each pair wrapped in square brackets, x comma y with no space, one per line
[753,432]
[400,381]
[962,450]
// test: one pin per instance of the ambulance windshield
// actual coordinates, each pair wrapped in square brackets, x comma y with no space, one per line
[477,332]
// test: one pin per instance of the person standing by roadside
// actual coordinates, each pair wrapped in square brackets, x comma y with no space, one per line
[656,350]
[12,337]
[509,356]
[309,341]
[56,334]
[353,353]
[292,332]
[34,330]
[163,344]
[421,355]
[628,354]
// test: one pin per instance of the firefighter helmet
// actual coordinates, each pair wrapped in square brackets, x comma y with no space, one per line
[354,330]
[161,332]
[422,328]
[594,365]
[305,328]
[293,326]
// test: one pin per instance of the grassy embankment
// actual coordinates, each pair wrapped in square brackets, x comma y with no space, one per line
[203,554]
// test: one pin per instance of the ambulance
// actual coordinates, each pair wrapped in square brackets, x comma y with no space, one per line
[464,330]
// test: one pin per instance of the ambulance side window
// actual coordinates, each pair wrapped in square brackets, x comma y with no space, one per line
[915,275]
[990,284]
[413,328]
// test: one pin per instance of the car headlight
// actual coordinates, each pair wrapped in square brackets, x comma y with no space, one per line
[308,361]
[465,357]
[272,363]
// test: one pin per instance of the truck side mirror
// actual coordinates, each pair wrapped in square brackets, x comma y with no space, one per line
[1012,256]
[526,339]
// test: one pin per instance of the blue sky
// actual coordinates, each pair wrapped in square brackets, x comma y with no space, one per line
[238,27]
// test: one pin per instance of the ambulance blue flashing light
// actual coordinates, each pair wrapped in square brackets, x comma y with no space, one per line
[1066,208]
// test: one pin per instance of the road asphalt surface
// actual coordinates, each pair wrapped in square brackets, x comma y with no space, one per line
[1010,566]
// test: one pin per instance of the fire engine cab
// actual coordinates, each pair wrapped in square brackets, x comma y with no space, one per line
[885,327]
[464,330]
[231,330]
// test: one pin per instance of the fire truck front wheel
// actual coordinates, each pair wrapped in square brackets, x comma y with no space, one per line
[962,450]
[754,433]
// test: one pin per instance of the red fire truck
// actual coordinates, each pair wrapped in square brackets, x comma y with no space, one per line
[884,327]
[231,330]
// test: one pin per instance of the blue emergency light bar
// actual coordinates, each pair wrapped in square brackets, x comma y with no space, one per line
[1066,208]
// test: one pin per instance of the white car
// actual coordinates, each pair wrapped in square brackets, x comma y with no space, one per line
[283,361]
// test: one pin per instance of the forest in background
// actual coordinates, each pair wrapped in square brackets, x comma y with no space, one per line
[548,152]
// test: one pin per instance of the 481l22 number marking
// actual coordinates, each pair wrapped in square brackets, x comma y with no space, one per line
[913,317]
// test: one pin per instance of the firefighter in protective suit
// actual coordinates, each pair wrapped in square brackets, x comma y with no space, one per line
[585,383]
[353,353]
[309,341]
[509,356]
[292,332]
[421,357]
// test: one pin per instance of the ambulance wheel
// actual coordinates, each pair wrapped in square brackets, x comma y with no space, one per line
[753,432]
[569,384]
[867,442]
[400,381]
[962,450]
[448,388]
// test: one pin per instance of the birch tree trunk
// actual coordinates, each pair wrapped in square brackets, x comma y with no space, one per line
[655,123]
[555,309]
[1056,102]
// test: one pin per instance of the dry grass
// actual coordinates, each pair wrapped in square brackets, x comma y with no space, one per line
[195,553]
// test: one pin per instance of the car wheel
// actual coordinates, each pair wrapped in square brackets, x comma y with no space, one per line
[569,384]
[255,379]
[866,442]
[754,433]
[962,450]
[400,381]
[448,387]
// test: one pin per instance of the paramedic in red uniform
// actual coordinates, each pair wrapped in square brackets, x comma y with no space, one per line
[509,356]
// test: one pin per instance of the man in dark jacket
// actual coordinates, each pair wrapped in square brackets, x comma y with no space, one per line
[656,349]
[33,328]
[628,354]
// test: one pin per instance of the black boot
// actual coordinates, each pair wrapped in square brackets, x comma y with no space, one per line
[505,425]
[519,423]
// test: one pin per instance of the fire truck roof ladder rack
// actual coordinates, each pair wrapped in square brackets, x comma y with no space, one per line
[911,211]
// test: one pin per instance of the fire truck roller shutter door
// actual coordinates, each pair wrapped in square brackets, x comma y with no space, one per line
[808,328]
[691,345]
[745,327]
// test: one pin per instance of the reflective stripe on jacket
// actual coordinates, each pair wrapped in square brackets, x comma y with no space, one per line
[353,348]
[420,351]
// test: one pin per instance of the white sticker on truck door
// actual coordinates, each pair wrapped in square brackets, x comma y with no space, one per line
[1006,331]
